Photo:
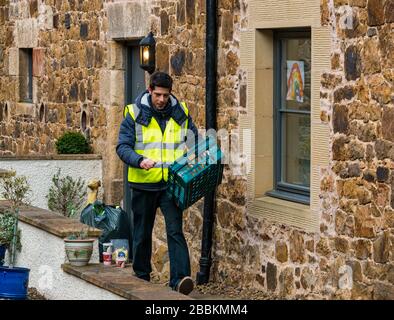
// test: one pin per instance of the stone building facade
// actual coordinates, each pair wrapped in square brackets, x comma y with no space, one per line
[341,245]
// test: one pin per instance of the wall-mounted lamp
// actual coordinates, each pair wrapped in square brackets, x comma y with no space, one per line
[148,53]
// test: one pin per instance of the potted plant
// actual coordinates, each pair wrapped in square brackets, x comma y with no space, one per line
[79,248]
[7,222]
[14,280]
[66,194]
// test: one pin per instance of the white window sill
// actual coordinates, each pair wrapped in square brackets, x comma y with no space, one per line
[25,108]
[284,212]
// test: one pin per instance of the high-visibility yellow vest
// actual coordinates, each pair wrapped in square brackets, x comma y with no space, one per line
[151,143]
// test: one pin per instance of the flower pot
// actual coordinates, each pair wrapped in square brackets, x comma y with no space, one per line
[2,254]
[14,282]
[79,251]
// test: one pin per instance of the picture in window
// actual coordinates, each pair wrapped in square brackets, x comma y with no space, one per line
[295,80]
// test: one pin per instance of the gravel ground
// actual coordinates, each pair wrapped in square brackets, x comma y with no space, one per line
[214,290]
[217,290]
[33,294]
[221,291]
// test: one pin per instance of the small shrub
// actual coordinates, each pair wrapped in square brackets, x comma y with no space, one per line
[17,191]
[66,195]
[72,143]
[7,223]
[83,234]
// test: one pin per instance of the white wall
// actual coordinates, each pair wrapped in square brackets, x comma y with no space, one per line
[39,174]
[43,253]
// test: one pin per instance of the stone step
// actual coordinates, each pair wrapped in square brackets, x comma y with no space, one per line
[120,281]
[50,221]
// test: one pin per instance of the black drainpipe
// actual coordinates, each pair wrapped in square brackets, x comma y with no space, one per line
[210,123]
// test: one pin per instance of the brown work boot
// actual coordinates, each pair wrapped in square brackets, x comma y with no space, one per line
[185,285]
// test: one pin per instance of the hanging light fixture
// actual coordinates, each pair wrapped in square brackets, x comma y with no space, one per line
[147,53]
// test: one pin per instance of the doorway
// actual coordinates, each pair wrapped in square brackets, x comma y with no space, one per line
[134,85]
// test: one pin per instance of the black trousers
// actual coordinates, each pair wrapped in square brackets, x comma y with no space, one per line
[144,205]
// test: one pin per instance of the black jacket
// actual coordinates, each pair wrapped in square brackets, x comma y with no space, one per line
[126,141]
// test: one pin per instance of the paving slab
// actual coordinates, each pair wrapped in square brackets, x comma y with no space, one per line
[121,282]
[49,221]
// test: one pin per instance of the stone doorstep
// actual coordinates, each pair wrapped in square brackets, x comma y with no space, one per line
[120,281]
[50,222]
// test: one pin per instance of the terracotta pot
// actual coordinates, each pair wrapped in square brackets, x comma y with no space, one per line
[79,251]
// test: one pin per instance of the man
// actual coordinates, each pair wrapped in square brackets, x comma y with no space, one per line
[151,137]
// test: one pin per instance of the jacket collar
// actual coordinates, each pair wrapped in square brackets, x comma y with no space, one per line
[143,102]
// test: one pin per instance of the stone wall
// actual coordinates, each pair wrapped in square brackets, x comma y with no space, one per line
[71,53]
[357,208]
[68,52]
[352,255]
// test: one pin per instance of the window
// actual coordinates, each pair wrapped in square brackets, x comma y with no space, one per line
[292,115]
[26,75]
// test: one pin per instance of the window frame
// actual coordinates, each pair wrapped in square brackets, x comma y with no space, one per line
[283,190]
[28,52]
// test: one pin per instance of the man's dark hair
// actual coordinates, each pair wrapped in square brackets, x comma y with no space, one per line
[160,79]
